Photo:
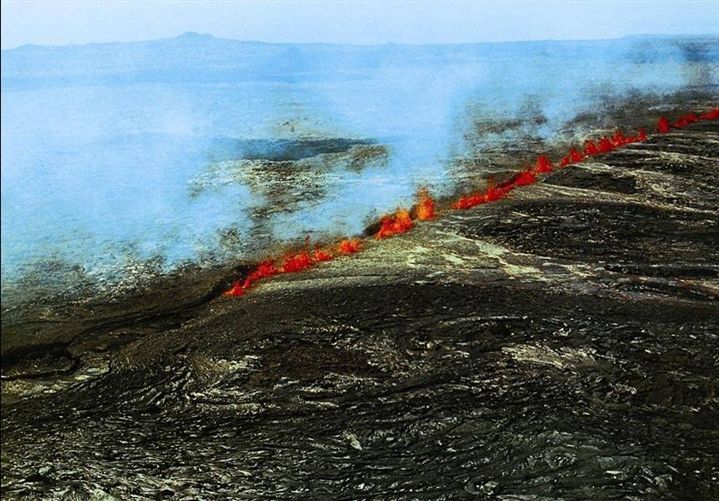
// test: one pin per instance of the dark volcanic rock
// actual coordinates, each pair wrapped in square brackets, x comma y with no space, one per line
[561,343]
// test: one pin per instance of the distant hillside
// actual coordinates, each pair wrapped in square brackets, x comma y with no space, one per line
[196,57]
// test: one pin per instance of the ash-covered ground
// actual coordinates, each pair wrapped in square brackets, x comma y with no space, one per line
[562,343]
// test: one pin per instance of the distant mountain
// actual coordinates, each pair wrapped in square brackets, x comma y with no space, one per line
[198,57]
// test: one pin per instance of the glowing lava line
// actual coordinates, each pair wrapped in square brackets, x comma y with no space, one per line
[403,220]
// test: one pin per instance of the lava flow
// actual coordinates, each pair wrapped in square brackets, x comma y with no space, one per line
[543,165]
[492,194]
[297,262]
[237,289]
[605,145]
[524,178]
[394,224]
[424,209]
[710,115]
[663,125]
[263,270]
[685,120]
[322,255]
[350,246]
[590,148]
[402,220]
[572,157]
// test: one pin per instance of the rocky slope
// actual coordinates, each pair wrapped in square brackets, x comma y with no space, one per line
[560,343]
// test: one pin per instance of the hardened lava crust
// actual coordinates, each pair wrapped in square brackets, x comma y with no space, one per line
[560,343]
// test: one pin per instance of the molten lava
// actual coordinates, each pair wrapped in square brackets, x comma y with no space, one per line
[543,165]
[618,139]
[401,220]
[394,224]
[605,145]
[349,246]
[263,270]
[575,156]
[297,262]
[322,255]
[237,289]
[524,178]
[663,125]
[425,205]
[572,157]
[495,193]
[492,194]
[685,120]
[469,201]
[590,148]
[710,115]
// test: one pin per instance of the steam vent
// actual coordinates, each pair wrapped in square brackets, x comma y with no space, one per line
[559,342]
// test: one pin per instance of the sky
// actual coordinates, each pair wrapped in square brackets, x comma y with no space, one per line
[62,22]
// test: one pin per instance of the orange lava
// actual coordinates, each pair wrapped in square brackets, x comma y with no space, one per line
[618,139]
[575,156]
[590,148]
[543,165]
[572,157]
[663,125]
[401,220]
[469,201]
[710,115]
[524,178]
[394,224]
[425,205]
[605,145]
[685,120]
[350,246]
[495,193]
[296,262]
[492,194]
[322,255]
[237,289]
[263,270]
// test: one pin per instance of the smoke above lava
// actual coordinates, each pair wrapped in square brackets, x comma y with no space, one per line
[403,220]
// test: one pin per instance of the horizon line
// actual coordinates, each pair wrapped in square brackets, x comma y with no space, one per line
[208,36]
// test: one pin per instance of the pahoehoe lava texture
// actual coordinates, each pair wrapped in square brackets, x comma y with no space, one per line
[561,343]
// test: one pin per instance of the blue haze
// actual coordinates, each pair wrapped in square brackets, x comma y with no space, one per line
[101,143]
